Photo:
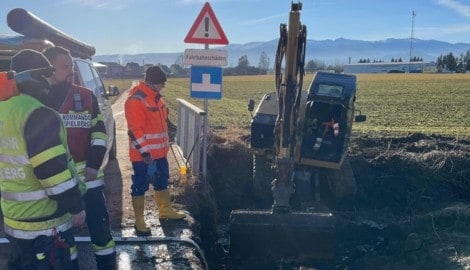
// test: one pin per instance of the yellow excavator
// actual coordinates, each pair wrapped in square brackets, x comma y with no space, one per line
[301,170]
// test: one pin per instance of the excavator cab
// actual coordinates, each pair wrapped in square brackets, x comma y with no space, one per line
[327,120]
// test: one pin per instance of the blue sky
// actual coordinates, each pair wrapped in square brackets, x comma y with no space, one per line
[141,26]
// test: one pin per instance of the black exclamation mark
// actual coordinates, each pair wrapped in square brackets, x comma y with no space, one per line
[206,26]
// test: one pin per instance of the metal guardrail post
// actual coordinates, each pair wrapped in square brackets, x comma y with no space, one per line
[190,133]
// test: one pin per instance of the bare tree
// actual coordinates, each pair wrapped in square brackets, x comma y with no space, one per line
[263,63]
[180,60]
[243,64]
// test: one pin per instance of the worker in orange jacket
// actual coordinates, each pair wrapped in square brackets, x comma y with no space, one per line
[147,117]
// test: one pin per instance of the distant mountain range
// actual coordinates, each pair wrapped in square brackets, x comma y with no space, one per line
[331,52]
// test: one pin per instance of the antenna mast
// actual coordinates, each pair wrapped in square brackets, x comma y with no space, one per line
[413,15]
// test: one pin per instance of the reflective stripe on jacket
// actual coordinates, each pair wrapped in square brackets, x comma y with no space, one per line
[146,116]
[85,129]
[31,230]
[98,182]
[27,209]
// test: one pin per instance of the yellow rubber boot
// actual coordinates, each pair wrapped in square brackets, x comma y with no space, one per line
[165,211]
[141,228]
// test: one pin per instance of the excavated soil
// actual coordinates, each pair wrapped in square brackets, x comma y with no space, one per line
[410,212]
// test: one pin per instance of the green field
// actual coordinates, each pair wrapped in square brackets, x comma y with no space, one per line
[395,104]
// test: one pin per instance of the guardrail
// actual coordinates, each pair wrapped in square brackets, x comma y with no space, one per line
[189,134]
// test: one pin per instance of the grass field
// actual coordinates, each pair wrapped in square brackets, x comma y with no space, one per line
[395,104]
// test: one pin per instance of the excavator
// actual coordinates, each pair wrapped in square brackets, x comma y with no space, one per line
[301,170]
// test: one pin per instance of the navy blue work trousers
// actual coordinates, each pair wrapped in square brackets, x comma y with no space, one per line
[141,181]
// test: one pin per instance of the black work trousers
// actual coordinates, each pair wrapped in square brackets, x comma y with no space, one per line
[97,219]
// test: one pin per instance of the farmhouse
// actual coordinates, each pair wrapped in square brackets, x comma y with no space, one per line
[111,69]
[397,67]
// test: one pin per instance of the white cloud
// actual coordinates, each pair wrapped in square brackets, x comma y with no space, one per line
[134,48]
[190,2]
[104,4]
[261,20]
[443,32]
[456,6]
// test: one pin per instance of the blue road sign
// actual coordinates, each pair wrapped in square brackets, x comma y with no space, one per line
[206,82]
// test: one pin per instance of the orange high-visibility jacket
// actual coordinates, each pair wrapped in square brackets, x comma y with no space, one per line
[146,116]
[8,83]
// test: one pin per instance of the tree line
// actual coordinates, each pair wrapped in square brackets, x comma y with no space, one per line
[447,62]
[244,68]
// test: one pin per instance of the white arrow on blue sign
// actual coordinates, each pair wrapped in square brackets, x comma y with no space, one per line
[206,82]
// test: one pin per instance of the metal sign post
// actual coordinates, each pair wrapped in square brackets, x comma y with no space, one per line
[206,132]
[207,83]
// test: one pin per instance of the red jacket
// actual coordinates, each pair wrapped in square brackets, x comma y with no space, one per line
[146,116]
[86,132]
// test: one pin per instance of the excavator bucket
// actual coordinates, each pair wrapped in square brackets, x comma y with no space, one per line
[269,235]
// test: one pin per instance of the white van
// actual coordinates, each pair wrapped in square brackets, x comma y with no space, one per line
[38,35]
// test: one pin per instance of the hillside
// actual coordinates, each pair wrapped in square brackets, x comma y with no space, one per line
[338,51]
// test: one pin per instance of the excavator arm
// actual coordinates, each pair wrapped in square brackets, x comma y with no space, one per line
[291,48]
[303,136]
[279,233]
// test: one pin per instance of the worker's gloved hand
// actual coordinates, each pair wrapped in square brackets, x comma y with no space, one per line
[78,219]
[147,158]
[151,172]
[90,174]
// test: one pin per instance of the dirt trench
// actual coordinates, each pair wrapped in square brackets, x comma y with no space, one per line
[410,212]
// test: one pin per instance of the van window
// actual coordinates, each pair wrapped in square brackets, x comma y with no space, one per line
[5,65]
[98,81]
[90,78]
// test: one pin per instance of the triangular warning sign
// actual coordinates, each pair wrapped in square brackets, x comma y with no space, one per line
[206,29]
